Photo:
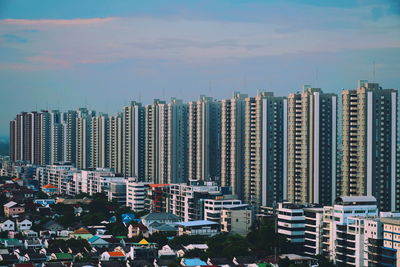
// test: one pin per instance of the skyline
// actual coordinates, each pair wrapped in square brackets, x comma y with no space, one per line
[103,54]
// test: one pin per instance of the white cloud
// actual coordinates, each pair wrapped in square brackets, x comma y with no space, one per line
[64,43]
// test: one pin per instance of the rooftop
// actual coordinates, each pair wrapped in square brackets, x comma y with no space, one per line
[161,216]
[194,262]
[197,223]
[393,220]
[50,186]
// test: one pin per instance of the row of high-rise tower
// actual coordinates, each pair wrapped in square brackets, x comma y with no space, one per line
[308,147]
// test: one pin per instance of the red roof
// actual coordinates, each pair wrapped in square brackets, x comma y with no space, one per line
[158,185]
[48,186]
[116,254]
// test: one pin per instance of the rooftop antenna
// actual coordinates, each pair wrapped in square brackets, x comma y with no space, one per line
[163,93]
[316,76]
[209,87]
[373,71]
[140,95]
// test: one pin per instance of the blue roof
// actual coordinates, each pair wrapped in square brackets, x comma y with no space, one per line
[197,223]
[93,238]
[194,262]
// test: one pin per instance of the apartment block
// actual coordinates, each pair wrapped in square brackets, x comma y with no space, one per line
[236,219]
[173,142]
[204,139]
[311,147]
[391,242]
[152,139]
[133,141]
[115,143]
[291,223]
[187,201]
[369,130]
[99,153]
[232,143]
[265,145]
[135,194]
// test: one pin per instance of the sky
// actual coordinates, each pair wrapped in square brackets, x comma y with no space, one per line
[101,54]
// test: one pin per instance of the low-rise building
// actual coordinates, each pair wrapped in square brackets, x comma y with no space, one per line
[213,207]
[313,231]
[117,192]
[135,194]
[236,219]
[291,223]
[391,242]
[161,217]
[201,227]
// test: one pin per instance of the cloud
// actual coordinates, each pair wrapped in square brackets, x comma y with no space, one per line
[55,45]
[13,38]
[66,22]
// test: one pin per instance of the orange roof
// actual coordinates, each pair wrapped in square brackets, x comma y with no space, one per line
[50,186]
[158,185]
[81,231]
[116,254]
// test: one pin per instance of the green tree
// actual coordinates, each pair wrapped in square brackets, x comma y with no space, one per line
[227,245]
[67,219]
[62,209]
[185,240]
[41,195]
[158,238]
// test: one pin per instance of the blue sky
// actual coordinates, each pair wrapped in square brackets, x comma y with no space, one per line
[102,54]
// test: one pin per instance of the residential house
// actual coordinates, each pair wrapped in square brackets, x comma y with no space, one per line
[33,243]
[161,217]
[137,229]
[24,225]
[166,252]
[7,225]
[81,233]
[13,208]
[113,255]
[98,242]
[62,257]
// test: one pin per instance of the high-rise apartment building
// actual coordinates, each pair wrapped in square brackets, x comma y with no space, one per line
[69,136]
[83,136]
[45,121]
[265,146]
[311,147]
[173,142]
[152,141]
[56,137]
[204,139]
[369,130]
[232,143]
[115,143]
[133,141]
[99,156]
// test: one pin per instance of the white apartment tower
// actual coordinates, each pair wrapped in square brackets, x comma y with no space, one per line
[232,143]
[369,130]
[99,141]
[173,142]
[115,143]
[83,142]
[265,149]
[152,141]
[133,141]
[204,139]
[311,147]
